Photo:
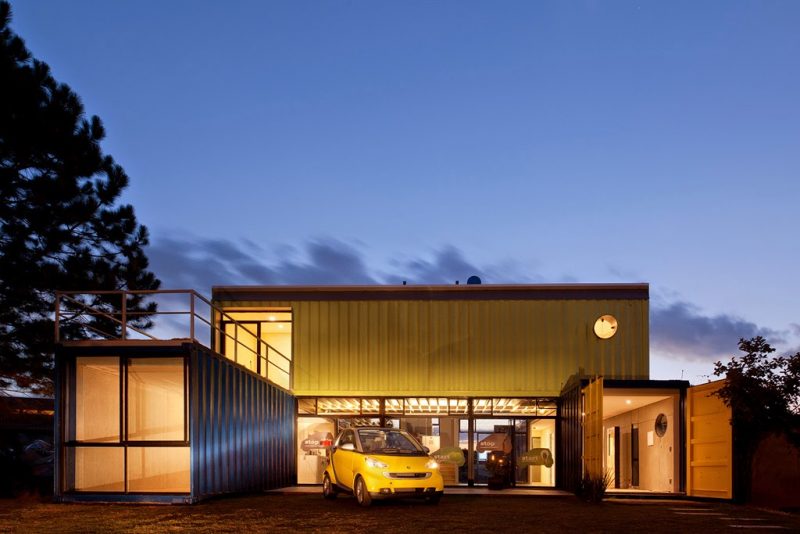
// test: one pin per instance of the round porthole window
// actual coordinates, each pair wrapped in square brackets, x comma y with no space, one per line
[661,425]
[605,327]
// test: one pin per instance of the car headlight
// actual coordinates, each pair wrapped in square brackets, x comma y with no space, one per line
[372,462]
[432,464]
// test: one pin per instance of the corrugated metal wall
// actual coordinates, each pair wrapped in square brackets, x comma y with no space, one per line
[242,429]
[570,439]
[709,443]
[460,347]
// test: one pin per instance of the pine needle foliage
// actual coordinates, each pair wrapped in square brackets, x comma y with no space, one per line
[62,226]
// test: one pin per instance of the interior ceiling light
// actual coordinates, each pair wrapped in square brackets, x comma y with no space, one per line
[628,401]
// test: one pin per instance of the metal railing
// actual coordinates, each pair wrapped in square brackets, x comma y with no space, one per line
[179,314]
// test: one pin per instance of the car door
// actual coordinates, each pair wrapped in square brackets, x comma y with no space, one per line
[342,458]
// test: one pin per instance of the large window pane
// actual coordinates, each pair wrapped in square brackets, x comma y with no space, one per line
[96,399]
[160,469]
[314,436]
[278,336]
[155,399]
[536,465]
[97,469]
[240,344]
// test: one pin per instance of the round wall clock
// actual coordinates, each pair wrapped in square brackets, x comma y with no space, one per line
[661,425]
[605,327]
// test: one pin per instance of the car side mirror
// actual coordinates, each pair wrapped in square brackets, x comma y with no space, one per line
[347,447]
[426,449]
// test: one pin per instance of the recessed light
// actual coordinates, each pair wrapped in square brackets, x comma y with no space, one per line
[628,401]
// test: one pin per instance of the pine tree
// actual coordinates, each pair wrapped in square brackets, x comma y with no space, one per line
[61,224]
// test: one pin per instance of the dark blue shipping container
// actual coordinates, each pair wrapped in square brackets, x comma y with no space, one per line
[239,427]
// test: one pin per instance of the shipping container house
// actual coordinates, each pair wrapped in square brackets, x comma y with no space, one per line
[552,377]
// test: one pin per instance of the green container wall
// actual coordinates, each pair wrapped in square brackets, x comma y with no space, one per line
[459,347]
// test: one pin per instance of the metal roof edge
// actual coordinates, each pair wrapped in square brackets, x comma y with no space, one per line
[630,291]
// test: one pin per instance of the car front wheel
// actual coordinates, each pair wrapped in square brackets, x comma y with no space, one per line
[362,494]
[328,491]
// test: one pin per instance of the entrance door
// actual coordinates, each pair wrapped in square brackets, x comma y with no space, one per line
[709,443]
[611,455]
[493,457]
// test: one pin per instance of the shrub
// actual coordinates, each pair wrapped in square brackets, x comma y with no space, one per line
[593,487]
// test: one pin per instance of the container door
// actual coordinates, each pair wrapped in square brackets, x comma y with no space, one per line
[709,439]
[593,428]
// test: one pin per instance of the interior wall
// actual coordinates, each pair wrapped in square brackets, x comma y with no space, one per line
[658,456]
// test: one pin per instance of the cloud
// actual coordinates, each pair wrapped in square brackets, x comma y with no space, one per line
[445,267]
[678,329]
[196,262]
[199,263]
[681,331]
[327,262]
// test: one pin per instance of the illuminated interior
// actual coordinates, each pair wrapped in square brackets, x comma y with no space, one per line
[105,455]
[634,454]
[261,341]
[442,424]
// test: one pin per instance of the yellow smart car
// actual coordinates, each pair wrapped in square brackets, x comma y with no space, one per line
[380,463]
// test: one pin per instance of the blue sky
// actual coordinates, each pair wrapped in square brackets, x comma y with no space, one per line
[342,142]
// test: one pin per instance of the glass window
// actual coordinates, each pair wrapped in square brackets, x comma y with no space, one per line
[394,406]
[482,406]
[96,399]
[547,407]
[270,342]
[156,399]
[514,406]
[536,465]
[240,344]
[307,406]
[163,469]
[459,406]
[387,441]
[426,406]
[314,437]
[338,406]
[370,406]
[347,437]
[97,469]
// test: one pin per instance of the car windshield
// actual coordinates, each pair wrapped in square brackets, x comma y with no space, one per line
[388,441]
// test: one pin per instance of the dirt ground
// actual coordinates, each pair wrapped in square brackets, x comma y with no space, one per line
[455,514]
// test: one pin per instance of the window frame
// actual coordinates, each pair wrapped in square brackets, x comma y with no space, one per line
[70,444]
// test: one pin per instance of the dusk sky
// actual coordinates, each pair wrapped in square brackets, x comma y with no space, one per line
[526,142]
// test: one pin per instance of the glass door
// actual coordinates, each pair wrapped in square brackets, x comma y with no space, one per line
[493,456]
